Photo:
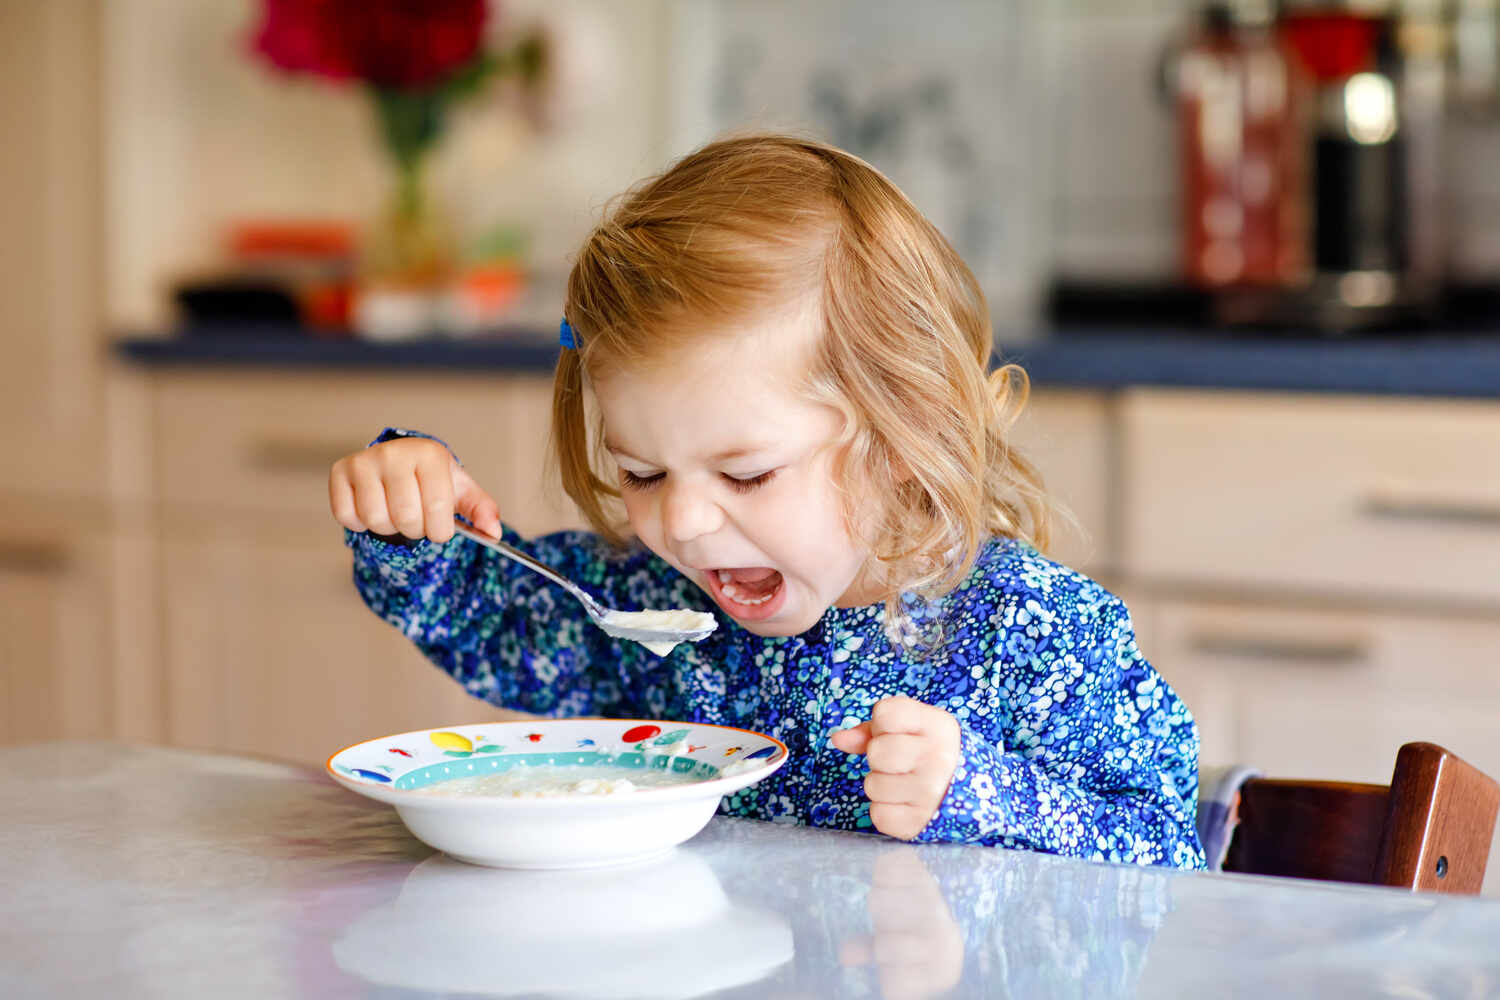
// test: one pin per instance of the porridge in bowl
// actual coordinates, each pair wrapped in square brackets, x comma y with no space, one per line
[549,781]
[558,793]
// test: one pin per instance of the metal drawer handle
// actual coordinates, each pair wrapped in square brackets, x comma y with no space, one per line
[293,455]
[1332,652]
[1446,510]
[33,557]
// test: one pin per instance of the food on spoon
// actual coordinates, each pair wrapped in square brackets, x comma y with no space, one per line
[675,620]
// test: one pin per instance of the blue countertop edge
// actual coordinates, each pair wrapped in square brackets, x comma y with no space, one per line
[1456,363]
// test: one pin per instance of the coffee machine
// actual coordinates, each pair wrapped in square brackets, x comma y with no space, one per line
[1311,136]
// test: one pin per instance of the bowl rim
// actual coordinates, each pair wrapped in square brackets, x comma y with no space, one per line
[715,787]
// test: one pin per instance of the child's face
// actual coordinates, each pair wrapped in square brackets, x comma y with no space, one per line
[727,472]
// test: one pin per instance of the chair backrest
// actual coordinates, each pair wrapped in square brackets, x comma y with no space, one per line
[1429,829]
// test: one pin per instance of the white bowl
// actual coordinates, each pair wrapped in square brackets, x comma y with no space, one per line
[566,832]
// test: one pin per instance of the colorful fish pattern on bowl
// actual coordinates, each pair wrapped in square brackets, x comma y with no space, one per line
[429,756]
[563,831]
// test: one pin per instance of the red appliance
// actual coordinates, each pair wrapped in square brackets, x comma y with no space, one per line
[1310,161]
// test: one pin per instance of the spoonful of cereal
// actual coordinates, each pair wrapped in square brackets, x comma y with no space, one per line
[658,631]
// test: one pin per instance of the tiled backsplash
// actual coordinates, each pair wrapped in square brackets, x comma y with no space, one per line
[1030,130]
[1113,150]
[940,96]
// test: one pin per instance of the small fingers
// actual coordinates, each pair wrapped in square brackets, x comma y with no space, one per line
[857,951]
[403,500]
[341,497]
[906,947]
[369,498]
[470,500]
[895,753]
[484,514]
[893,788]
[852,740]
[434,480]
[898,820]
[900,714]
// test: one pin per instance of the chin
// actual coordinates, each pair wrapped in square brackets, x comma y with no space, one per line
[787,621]
[778,629]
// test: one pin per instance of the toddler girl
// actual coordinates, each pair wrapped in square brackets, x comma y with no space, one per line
[775,369]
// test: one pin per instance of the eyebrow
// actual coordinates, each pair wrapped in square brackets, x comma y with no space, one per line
[722,456]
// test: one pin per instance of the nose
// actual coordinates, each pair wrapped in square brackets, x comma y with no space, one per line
[689,512]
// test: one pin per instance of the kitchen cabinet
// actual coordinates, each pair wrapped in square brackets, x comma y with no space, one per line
[1329,693]
[53,388]
[1393,500]
[77,613]
[269,649]
[1318,577]
[55,631]
[266,646]
[258,446]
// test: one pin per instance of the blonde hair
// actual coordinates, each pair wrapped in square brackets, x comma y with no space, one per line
[737,226]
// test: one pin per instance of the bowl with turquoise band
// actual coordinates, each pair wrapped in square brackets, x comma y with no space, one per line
[557,793]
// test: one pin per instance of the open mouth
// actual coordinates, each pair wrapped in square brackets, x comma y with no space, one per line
[750,593]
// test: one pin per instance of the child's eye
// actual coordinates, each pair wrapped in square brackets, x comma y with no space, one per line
[635,482]
[750,482]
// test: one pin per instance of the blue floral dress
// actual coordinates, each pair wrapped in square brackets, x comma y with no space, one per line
[1070,742]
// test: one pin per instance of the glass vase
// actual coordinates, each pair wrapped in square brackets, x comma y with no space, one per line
[406,262]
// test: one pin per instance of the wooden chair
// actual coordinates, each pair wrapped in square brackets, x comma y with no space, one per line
[1429,829]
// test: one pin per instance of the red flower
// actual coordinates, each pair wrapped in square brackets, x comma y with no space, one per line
[391,44]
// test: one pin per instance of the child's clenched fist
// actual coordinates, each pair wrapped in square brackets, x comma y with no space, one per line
[410,486]
[912,749]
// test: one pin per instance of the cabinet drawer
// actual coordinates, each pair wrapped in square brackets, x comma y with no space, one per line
[1328,694]
[264,442]
[1390,497]
[58,635]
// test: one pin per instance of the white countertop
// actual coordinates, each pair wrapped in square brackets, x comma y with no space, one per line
[133,872]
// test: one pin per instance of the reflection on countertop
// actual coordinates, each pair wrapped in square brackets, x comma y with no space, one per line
[1453,363]
[152,872]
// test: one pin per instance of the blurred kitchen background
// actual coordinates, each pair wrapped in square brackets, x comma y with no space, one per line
[1250,254]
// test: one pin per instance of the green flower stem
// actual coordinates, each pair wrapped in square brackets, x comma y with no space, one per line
[410,197]
[413,244]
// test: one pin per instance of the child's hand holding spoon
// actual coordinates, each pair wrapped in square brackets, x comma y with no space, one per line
[408,486]
[414,487]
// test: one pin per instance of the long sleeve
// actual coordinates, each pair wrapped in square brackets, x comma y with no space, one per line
[1092,754]
[512,637]
[506,634]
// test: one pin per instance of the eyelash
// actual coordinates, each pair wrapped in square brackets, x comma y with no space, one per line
[643,483]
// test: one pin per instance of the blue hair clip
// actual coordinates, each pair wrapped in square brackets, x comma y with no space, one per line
[566,337]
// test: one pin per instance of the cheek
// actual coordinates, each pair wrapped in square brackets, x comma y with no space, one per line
[812,517]
[827,499]
[641,512]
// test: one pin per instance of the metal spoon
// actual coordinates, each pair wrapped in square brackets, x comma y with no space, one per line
[614,622]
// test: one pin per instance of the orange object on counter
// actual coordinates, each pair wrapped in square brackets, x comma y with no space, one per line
[291,238]
[312,259]
[481,295]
